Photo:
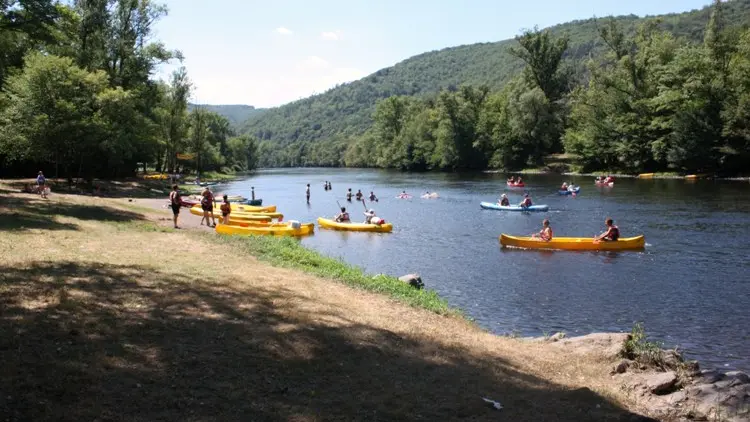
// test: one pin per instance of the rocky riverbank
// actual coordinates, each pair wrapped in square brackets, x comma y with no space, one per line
[662,382]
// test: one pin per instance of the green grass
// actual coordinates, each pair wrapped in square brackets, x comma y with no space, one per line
[640,349]
[289,253]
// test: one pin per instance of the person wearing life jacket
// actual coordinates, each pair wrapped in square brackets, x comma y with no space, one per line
[526,201]
[504,201]
[175,202]
[349,195]
[207,204]
[546,233]
[226,209]
[342,217]
[359,195]
[612,233]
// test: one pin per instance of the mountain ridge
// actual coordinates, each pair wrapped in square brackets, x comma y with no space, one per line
[345,111]
[235,113]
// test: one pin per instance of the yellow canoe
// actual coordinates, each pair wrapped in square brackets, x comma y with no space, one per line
[197,210]
[573,243]
[646,175]
[253,216]
[244,214]
[250,208]
[355,227]
[278,229]
[246,208]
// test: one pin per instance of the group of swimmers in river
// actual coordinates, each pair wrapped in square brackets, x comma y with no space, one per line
[612,234]
[343,216]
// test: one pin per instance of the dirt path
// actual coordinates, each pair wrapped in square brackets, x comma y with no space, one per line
[106,316]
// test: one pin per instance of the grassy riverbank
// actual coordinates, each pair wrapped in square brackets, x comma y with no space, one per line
[104,304]
[287,252]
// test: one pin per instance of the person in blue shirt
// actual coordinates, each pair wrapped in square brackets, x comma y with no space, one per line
[41,184]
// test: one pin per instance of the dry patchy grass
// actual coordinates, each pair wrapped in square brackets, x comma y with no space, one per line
[107,316]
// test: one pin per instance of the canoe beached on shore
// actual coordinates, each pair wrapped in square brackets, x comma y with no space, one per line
[276,229]
[197,210]
[573,243]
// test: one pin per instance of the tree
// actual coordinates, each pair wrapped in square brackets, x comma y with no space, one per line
[50,114]
[172,116]
[198,137]
[543,55]
[24,25]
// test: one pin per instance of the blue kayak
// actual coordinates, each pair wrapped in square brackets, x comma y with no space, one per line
[491,206]
[569,192]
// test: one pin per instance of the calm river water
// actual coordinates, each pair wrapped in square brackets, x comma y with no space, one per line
[690,287]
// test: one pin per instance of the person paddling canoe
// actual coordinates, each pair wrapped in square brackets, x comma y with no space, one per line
[546,233]
[342,217]
[612,233]
[526,201]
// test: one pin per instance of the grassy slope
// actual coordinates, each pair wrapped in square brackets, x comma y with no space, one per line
[347,109]
[109,314]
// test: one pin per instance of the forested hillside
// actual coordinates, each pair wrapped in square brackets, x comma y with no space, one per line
[237,114]
[321,130]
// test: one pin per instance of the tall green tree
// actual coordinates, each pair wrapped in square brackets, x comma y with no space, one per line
[173,117]
[543,54]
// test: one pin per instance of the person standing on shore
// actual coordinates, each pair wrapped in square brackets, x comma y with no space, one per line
[307,193]
[226,209]
[41,184]
[207,204]
[175,202]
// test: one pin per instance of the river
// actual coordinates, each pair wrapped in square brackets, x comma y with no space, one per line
[690,287]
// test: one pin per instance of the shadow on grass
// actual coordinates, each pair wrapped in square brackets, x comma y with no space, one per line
[85,342]
[22,213]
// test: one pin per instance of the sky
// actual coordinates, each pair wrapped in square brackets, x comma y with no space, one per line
[268,53]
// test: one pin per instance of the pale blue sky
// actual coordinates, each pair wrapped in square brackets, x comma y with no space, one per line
[267,53]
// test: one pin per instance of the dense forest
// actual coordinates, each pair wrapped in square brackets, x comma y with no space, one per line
[629,94]
[78,97]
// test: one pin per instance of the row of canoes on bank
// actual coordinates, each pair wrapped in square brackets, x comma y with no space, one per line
[246,219]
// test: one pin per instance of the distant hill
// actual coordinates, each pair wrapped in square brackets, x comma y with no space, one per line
[235,113]
[346,110]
